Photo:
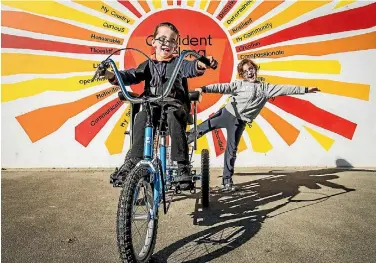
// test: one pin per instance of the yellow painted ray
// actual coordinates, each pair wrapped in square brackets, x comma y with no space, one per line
[306,66]
[191,3]
[115,141]
[352,90]
[40,64]
[297,9]
[157,4]
[106,9]
[243,7]
[342,3]
[33,87]
[54,9]
[203,4]
[325,141]
[202,143]
[259,141]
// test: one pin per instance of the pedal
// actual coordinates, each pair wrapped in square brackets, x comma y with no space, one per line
[177,189]
[117,183]
[193,188]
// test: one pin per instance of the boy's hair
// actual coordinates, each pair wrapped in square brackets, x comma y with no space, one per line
[167,24]
[246,62]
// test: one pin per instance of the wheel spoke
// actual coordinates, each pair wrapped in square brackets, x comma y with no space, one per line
[141,216]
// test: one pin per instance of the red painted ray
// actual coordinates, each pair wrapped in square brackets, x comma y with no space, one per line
[130,7]
[90,127]
[315,115]
[353,19]
[225,10]
[219,140]
[10,41]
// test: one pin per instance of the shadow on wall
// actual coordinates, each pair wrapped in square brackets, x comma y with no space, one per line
[343,163]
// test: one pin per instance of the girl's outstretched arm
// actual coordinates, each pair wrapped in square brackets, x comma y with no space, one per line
[223,88]
[275,90]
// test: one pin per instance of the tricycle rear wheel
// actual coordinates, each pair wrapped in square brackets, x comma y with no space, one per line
[205,178]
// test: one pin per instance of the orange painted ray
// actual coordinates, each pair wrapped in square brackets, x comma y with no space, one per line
[288,132]
[144,6]
[42,122]
[213,5]
[242,145]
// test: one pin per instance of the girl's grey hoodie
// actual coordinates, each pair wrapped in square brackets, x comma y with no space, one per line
[248,98]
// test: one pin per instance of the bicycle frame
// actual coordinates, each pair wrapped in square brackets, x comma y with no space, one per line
[158,175]
[151,162]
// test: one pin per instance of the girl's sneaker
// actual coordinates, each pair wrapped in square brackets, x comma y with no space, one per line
[229,187]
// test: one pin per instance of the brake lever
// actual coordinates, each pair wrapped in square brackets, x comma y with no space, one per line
[95,75]
[102,66]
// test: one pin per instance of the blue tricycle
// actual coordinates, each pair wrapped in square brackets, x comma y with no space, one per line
[145,187]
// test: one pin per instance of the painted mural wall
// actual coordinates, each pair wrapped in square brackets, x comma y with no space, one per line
[54,116]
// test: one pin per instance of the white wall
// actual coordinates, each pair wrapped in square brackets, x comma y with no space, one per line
[60,149]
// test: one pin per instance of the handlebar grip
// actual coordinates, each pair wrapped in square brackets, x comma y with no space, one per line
[206,61]
[121,96]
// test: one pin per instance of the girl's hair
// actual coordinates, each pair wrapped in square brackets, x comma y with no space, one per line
[246,62]
[167,24]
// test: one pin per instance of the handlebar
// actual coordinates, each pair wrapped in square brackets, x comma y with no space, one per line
[171,81]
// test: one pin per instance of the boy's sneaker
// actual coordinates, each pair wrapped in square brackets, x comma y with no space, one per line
[117,178]
[184,176]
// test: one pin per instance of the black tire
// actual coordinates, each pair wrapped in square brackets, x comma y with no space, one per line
[124,220]
[205,178]
[121,168]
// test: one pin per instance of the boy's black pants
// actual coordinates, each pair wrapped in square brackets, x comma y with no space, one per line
[234,127]
[177,123]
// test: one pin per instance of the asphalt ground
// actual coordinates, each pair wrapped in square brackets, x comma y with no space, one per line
[278,215]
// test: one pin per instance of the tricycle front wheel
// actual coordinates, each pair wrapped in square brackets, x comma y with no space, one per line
[136,227]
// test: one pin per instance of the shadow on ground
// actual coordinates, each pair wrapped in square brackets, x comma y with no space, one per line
[236,217]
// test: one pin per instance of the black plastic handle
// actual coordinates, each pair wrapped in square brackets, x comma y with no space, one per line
[102,66]
[206,61]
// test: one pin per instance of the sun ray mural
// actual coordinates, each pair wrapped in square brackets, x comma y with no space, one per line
[52,48]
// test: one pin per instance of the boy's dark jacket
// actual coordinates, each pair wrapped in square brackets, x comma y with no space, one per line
[159,75]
